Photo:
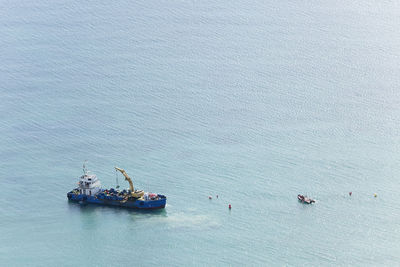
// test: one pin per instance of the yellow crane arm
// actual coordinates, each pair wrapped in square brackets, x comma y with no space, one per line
[126,178]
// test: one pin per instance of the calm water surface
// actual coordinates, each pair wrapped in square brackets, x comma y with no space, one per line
[255,101]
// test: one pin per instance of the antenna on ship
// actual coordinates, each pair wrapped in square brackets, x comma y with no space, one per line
[84,167]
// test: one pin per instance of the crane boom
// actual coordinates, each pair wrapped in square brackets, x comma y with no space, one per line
[127,178]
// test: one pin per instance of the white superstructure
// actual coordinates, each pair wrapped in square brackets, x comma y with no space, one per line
[88,183]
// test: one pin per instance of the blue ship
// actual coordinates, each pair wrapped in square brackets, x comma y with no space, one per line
[89,191]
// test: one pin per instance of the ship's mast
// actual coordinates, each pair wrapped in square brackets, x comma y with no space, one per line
[84,168]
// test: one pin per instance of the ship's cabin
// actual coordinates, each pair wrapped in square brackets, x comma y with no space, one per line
[89,184]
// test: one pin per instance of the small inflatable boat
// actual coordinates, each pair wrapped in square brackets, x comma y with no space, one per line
[305,199]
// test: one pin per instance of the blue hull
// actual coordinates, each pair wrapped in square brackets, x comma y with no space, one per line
[132,203]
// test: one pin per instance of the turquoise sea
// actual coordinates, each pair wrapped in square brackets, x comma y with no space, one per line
[253,101]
